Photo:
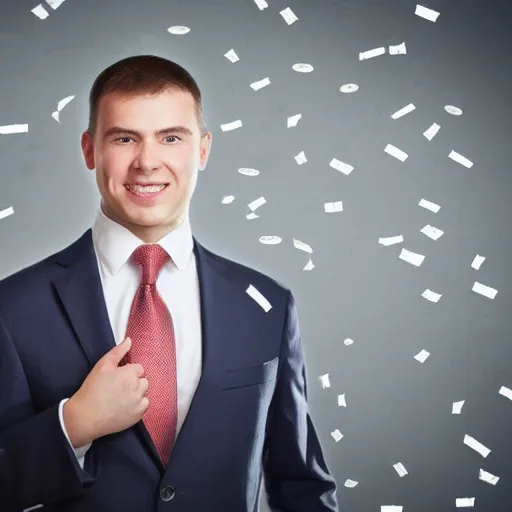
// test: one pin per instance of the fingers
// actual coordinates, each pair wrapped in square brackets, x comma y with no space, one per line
[143,385]
[144,403]
[136,368]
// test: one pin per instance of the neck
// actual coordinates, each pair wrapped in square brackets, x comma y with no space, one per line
[149,234]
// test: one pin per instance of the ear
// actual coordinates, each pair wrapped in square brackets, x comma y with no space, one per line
[206,146]
[87,143]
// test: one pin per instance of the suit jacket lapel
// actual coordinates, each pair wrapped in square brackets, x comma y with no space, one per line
[82,297]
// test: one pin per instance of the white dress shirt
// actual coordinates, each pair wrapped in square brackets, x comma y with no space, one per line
[177,284]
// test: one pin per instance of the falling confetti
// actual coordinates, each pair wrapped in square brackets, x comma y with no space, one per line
[270,240]
[303,68]
[246,171]
[348,88]
[178,30]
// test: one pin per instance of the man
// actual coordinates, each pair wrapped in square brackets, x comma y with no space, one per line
[138,370]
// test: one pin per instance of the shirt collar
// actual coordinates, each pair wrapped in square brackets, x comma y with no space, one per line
[115,244]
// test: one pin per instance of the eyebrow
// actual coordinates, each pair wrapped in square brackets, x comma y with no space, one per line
[115,130]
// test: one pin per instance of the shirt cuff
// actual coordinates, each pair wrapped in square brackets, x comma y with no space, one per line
[81,450]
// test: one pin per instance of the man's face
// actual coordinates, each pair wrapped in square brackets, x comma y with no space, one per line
[127,152]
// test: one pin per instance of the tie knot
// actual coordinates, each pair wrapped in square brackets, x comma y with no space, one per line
[151,258]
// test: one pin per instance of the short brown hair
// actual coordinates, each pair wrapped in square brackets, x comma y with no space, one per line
[141,75]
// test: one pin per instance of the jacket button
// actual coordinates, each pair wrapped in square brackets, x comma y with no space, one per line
[167,493]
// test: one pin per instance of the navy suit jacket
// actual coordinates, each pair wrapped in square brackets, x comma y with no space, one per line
[249,412]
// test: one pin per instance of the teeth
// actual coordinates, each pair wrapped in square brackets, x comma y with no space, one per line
[148,189]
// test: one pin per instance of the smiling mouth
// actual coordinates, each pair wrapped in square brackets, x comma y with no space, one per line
[146,189]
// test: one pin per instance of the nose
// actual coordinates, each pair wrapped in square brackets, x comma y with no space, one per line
[147,159]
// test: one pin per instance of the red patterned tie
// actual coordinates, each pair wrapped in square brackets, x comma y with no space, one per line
[151,329]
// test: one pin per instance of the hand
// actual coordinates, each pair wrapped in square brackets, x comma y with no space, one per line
[111,398]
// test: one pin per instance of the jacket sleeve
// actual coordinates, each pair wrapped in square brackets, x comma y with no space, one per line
[296,475]
[37,464]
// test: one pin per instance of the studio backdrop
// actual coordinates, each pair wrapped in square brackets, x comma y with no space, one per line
[361,156]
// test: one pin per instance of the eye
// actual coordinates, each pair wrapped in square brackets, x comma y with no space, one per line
[120,138]
[172,137]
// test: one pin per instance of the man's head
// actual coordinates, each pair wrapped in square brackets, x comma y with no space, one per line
[131,103]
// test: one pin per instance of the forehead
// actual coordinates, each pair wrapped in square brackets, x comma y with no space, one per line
[170,105]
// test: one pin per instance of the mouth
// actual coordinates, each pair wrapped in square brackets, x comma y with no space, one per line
[146,191]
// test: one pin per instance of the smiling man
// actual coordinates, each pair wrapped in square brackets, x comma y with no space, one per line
[153,374]
[146,150]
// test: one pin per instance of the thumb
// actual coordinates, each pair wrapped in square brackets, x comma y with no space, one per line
[119,351]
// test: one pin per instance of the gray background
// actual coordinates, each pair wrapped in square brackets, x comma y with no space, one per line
[399,410]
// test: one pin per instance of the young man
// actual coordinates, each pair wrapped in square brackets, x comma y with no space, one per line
[136,371]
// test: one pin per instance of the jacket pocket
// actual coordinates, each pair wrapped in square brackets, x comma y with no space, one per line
[250,375]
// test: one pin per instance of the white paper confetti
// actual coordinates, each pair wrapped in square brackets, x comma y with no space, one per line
[301,67]
[370,54]
[391,508]
[391,240]
[228,199]
[431,296]
[254,205]
[399,49]
[348,88]
[488,477]
[270,240]
[262,4]
[429,205]
[348,341]
[40,12]
[484,290]
[260,84]
[301,158]
[400,469]
[55,4]
[350,483]
[6,212]
[475,445]
[60,105]
[178,30]
[341,166]
[246,171]
[288,16]
[231,126]
[460,159]
[411,257]
[232,56]
[431,132]
[426,13]
[477,262]
[422,356]
[302,246]
[506,392]
[453,110]
[397,153]
[457,407]
[309,266]
[324,380]
[432,232]
[13,128]
[334,207]
[337,435]
[293,120]
[252,216]
[259,298]
[403,111]
[465,502]
[342,401]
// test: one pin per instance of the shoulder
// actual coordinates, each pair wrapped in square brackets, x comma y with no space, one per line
[247,276]
[30,281]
